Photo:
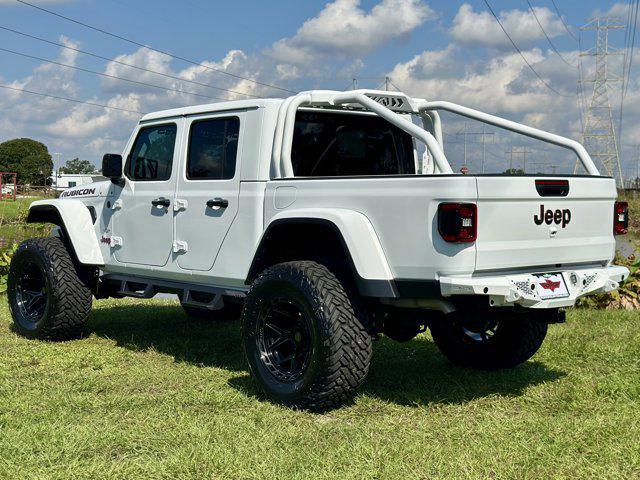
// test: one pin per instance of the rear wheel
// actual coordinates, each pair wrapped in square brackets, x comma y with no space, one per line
[47,296]
[303,341]
[488,341]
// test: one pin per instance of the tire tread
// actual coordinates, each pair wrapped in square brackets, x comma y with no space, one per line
[70,299]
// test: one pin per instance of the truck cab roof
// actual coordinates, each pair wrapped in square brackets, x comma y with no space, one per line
[213,107]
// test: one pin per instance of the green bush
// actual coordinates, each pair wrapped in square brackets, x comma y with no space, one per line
[627,296]
[5,260]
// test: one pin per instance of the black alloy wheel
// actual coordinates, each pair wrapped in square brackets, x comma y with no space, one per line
[31,294]
[284,339]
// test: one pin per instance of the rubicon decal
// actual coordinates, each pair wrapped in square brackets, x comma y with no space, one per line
[77,193]
[559,217]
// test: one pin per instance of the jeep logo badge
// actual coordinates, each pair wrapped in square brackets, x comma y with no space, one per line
[559,217]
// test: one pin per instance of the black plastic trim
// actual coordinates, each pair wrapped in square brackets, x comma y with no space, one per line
[174,286]
[552,188]
[356,177]
[418,288]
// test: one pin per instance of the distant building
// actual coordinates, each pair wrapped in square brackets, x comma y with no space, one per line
[62,181]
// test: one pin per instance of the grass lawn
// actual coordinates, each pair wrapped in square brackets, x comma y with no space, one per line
[12,229]
[148,394]
[10,209]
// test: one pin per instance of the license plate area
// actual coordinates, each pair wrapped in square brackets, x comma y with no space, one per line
[550,285]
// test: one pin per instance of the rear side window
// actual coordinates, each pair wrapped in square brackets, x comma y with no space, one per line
[152,155]
[337,144]
[213,147]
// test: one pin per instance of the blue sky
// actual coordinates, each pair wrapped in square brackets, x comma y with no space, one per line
[443,50]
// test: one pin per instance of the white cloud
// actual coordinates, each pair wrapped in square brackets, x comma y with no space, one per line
[480,28]
[619,9]
[342,28]
[502,85]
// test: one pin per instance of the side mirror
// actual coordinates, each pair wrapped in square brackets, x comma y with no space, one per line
[112,166]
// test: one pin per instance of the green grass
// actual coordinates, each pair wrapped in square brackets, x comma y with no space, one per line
[12,225]
[148,394]
[10,210]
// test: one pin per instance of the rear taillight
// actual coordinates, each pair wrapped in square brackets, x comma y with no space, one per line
[458,222]
[620,218]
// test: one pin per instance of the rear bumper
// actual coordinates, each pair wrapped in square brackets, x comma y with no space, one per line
[510,290]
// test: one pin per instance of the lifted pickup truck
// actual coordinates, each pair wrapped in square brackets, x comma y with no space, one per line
[315,219]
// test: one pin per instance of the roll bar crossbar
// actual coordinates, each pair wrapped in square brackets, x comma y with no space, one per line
[389,105]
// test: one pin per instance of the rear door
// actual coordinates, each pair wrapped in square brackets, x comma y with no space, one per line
[541,221]
[208,187]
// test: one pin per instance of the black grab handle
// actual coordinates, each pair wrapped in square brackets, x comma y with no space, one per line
[218,202]
[161,202]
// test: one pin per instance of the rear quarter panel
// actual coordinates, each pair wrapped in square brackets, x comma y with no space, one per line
[401,210]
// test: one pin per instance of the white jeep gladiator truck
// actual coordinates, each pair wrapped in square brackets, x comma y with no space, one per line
[315,219]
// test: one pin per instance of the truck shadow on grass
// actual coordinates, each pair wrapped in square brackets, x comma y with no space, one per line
[412,373]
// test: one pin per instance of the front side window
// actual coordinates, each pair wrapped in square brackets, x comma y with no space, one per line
[339,144]
[152,155]
[213,147]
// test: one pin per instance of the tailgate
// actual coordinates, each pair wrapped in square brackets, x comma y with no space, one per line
[518,226]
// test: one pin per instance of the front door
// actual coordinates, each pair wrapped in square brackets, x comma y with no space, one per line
[208,187]
[143,220]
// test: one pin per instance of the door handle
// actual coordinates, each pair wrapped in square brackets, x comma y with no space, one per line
[218,202]
[161,202]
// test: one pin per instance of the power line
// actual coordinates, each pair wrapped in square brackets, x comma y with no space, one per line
[69,99]
[535,15]
[520,52]
[633,44]
[627,60]
[133,42]
[394,85]
[562,20]
[84,52]
[53,62]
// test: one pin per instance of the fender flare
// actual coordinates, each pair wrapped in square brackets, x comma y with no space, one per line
[74,218]
[359,239]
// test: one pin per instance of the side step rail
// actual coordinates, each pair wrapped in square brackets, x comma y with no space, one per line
[208,297]
[216,302]
[128,289]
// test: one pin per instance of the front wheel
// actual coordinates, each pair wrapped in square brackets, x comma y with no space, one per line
[47,296]
[487,341]
[303,341]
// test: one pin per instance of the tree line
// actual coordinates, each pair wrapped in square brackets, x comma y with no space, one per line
[32,162]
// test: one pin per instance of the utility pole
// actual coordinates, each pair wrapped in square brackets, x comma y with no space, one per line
[524,151]
[56,168]
[599,134]
[483,135]
[466,127]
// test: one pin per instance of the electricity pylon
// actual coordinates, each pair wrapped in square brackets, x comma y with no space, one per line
[599,134]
